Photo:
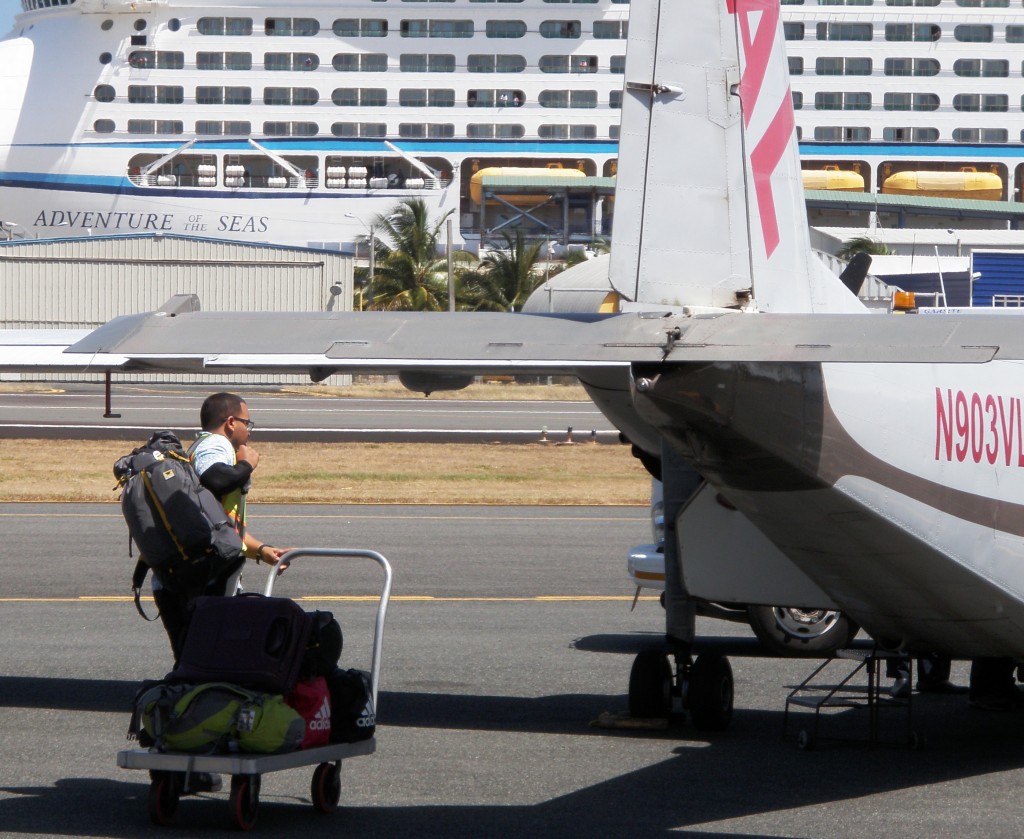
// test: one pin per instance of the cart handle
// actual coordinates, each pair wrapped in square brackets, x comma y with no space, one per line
[382,604]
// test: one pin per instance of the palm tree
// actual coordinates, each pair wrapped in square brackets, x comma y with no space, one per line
[862,244]
[506,277]
[408,273]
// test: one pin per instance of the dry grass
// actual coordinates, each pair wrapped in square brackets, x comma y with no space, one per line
[347,473]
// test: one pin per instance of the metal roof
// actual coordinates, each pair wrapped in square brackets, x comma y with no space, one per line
[868,201]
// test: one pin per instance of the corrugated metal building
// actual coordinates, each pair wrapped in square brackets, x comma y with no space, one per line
[83,283]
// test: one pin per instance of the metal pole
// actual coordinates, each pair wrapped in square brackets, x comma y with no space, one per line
[451,273]
[369,282]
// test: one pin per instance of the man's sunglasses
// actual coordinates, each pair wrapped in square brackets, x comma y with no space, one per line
[249,424]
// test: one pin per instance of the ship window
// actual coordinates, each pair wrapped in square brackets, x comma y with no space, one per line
[617,64]
[796,65]
[496,63]
[839,101]
[414,62]
[290,96]
[912,32]
[495,1]
[999,4]
[170,94]
[103,126]
[104,93]
[238,96]
[613,132]
[1015,34]
[155,126]
[910,135]
[291,129]
[489,131]
[911,102]
[159,59]
[567,99]
[611,29]
[792,31]
[798,100]
[298,26]
[980,135]
[548,131]
[231,128]
[367,97]
[174,24]
[912,2]
[223,61]
[365,28]
[141,94]
[981,102]
[505,29]
[139,25]
[430,130]
[985,67]
[371,62]
[107,25]
[359,129]
[290,61]
[845,2]
[838,66]
[424,98]
[568,64]
[792,2]
[560,29]
[105,58]
[841,134]
[436,28]
[973,33]
[138,40]
[911,67]
[239,26]
[207,95]
[615,99]
[837,31]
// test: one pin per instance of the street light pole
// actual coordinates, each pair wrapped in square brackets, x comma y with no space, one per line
[369,282]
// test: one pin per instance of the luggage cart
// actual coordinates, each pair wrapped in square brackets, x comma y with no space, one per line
[169,771]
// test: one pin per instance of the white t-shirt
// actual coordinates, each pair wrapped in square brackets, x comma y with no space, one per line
[211,449]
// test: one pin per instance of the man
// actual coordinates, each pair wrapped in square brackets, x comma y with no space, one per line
[224,463]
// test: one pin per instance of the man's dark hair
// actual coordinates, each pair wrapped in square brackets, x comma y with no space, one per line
[217,408]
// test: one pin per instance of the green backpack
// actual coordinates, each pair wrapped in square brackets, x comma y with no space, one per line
[216,717]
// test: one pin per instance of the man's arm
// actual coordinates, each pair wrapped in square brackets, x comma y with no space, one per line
[220,478]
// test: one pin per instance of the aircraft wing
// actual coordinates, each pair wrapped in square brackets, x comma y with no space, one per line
[322,343]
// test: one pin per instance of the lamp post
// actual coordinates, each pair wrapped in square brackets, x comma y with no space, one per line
[368,292]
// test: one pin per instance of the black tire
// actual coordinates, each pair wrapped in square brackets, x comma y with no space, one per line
[796,632]
[244,800]
[710,693]
[164,793]
[325,790]
[806,741]
[650,686]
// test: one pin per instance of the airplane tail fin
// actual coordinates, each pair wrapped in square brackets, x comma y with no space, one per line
[709,205]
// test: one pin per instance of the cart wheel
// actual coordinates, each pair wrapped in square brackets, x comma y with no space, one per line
[164,792]
[326,787]
[245,800]
[805,740]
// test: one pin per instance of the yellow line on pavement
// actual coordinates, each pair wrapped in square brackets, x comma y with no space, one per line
[363,598]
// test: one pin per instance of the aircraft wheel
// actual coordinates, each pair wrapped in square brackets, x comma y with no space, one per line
[711,693]
[326,787]
[795,632]
[805,740]
[650,686]
[164,792]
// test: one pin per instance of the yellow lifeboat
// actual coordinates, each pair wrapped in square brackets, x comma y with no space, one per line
[834,179]
[967,183]
[476,182]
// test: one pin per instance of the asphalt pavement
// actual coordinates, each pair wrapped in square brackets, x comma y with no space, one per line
[80,412]
[510,632]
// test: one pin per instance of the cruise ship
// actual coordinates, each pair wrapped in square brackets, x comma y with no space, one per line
[300,123]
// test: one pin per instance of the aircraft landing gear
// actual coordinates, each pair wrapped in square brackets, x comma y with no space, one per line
[704,687]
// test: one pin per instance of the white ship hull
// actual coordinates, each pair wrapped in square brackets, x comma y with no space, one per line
[301,123]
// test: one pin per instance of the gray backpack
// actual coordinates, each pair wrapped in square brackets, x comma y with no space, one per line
[180,528]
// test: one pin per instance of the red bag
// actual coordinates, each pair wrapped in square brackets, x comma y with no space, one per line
[312,700]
